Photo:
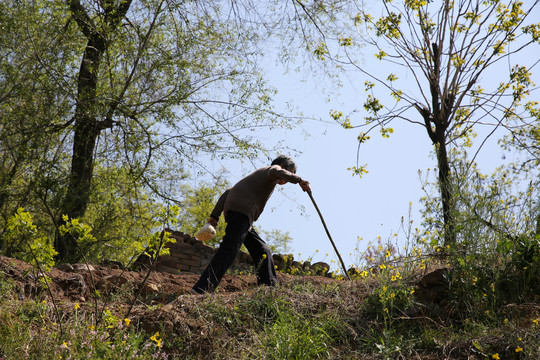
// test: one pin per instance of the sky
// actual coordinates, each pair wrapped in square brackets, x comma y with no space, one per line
[356,210]
[352,207]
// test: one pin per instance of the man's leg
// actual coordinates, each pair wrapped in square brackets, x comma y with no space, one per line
[235,233]
[262,258]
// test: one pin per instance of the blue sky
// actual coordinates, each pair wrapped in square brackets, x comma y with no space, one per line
[353,207]
[373,205]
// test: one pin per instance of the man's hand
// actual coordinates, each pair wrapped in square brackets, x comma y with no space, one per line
[212,222]
[305,186]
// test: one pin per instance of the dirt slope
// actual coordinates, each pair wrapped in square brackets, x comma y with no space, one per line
[72,284]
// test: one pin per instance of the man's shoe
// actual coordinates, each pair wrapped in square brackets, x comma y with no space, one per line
[194,292]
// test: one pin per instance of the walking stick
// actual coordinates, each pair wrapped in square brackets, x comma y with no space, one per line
[330,237]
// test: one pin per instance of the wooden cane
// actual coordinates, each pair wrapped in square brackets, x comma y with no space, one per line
[328,233]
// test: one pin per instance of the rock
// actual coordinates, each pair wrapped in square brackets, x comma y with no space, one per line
[434,278]
[111,282]
[278,260]
[74,285]
[245,258]
[433,287]
[150,288]
[83,267]
[114,264]
[320,268]
[142,262]
[66,267]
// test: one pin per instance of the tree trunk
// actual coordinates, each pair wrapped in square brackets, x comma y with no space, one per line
[436,122]
[446,193]
[79,188]
[87,129]
[437,135]
[87,124]
[537,233]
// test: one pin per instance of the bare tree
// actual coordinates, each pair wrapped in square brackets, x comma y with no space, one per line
[450,50]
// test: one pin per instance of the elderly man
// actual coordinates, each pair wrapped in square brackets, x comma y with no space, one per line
[242,204]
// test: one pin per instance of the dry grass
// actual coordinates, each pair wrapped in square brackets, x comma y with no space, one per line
[303,318]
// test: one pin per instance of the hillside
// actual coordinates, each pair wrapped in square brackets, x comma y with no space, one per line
[305,317]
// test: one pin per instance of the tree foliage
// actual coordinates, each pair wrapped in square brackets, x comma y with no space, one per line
[196,206]
[144,86]
[34,104]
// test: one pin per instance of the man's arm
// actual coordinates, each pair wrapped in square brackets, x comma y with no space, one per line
[279,173]
[218,209]
[292,178]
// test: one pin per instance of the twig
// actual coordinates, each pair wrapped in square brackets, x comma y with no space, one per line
[40,270]
[152,263]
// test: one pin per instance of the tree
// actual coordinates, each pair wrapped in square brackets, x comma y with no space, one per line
[449,49]
[99,31]
[144,85]
[33,108]
[526,139]
[196,205]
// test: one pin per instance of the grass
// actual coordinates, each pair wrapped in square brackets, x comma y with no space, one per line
[377,317]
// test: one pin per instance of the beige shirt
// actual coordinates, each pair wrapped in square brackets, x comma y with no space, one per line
[249,195]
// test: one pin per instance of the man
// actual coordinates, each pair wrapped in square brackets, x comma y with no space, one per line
[242,204]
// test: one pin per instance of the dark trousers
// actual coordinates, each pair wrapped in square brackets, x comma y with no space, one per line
[238,232]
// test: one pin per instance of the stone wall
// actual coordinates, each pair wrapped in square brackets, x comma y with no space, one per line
[189,255]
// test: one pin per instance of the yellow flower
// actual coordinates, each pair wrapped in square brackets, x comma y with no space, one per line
[127,321]
[495,356]
[264,256]
[535,321]
[77,306]
[519,349]
[156,339]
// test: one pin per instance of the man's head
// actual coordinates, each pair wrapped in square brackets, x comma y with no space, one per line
[286,162]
